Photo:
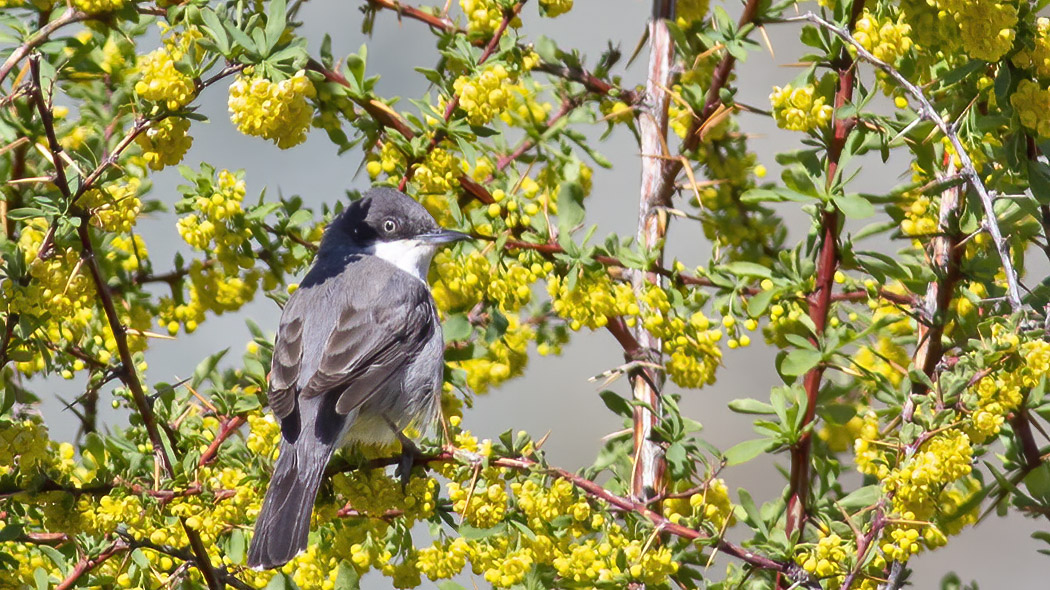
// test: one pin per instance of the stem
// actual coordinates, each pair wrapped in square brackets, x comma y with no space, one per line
[649,466]
[87,564]
[820,298]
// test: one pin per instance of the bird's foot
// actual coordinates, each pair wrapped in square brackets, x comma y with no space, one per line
[410,457]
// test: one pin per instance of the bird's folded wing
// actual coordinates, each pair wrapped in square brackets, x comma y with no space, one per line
[375,331]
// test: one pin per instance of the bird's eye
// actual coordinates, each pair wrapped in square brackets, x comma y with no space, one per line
[389,226]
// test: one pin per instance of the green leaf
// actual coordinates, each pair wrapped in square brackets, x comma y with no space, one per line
[754,516]
[347,578]
[215,29]
[1039,181]
[449,585]
[854,206]
[457,327]
[745,451]
[748,269]
[56,558]
[24,213]
[862,497]
[472,533]
[798,362]
[750,406]
[206,367]
[570,208]
[235,546]
[616,403]
[276,21]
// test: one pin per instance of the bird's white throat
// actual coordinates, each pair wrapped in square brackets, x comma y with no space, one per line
[411,256]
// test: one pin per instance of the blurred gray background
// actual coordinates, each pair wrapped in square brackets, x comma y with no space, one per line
[555,394]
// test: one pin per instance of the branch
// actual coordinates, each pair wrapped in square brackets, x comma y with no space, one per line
[820,299]
[928,112]
[648,466]
[227,428]
[87,564]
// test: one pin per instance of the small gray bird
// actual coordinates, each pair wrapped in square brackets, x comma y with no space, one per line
[359,356]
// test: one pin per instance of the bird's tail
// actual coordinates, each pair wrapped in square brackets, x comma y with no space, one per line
[284,521]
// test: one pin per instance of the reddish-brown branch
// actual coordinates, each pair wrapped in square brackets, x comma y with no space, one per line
[595,490]
[87,564]
[820,298]
[226,428]
[437,22]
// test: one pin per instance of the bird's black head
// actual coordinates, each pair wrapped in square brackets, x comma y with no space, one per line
[385,214]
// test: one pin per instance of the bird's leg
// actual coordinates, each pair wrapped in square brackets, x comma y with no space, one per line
[410,455]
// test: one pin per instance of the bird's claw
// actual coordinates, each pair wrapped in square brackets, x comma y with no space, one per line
[410,457]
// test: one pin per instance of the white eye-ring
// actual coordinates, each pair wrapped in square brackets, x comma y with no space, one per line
[389,225]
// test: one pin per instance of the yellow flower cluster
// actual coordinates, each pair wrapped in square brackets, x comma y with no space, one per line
[438,175]
[885,38]
[388,161]
[115,207]
[463,282]
[827,559]
[886,358]
[160,80]
[25,448]
[278,111]
[504,359]
[920,218]
[485,95]
[484,505]
[986,27]
[592,301]
[443,560]
[1037,58]
[711,507]
[212,227]
[998,394]
[543,505]
[797,109]
[128,251]
[264,434]
[1032,103]
[485,16]
[691,344]
[165,142]
[841,437]
[372,493]
[553,8]
[593,562]
[98,6]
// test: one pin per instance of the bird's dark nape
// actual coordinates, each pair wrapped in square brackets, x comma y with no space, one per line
[283,525]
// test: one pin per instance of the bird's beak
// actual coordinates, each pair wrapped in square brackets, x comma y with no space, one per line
[444,236]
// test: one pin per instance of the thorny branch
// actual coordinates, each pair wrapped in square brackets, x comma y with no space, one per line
[127,371]
[927,111]
[820,298]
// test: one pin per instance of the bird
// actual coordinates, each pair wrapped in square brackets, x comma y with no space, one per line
[359,356]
